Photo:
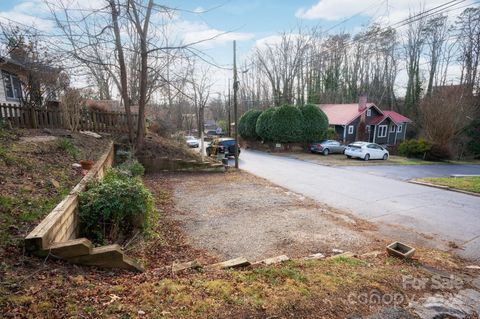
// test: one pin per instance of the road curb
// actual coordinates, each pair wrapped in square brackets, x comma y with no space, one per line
[412,181]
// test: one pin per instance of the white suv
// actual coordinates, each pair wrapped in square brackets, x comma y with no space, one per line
[366,151]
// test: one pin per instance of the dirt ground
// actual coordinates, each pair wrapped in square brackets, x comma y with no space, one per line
[238,214]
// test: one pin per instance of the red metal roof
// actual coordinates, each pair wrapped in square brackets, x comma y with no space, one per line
[393,116]
[341,114]
[377,120]
[397,118]
[344,114]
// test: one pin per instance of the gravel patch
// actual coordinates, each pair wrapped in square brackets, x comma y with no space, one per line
[237,214]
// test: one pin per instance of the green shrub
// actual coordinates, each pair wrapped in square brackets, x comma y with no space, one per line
[332,134]
[287,125]
[414,148]
[247,125]
[132,167]
[315,123]
[263,127]
[67,145]
[113,208]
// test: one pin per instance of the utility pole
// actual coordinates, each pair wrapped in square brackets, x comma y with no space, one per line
[229,130]
[235,88]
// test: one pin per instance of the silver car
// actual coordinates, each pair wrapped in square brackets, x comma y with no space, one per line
[326,147]
[191,141]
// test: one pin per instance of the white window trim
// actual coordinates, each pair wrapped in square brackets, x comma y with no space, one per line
[392,128]
[399,128]
[11,78]
[350,129]
[384,129]
[369,112]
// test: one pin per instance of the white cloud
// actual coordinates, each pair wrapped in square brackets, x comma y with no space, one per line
[197,31]
[333,10]
[277,39]
[21,19]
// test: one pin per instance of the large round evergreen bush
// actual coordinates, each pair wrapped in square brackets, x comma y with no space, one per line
[247,125]
[287,125]
[315,123]
[263,127]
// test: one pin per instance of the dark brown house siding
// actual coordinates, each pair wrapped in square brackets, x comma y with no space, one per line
[349,138]
[379,139]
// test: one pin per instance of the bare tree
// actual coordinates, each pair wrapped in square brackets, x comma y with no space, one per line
[281,63]
[436,30]
[468,24]
[413,46]
[446,113]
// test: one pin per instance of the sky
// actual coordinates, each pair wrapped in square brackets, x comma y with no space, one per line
[250,22]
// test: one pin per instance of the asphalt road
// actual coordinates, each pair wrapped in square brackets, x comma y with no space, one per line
[407,172]
[402,210]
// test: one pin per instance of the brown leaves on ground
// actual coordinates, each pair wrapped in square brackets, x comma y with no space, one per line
[34,288]
[158,146]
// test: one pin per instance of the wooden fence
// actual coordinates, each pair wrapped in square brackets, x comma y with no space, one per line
[97,121]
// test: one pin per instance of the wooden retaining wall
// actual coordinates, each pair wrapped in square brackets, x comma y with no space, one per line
[154,164]
[57,233]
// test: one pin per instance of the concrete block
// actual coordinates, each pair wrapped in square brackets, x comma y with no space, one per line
[400,250]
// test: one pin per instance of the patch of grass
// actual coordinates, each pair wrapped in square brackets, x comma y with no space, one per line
[468,183]
[6,156]
[276,275]
[67,145]
[20,209]
[347,261]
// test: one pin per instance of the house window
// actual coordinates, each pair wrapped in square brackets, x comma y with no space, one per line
[350,129]
[369,112]
[399,129]
[12,86]
[382,130]
[392,128]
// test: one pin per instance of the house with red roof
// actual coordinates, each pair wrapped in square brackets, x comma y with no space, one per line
[381,127]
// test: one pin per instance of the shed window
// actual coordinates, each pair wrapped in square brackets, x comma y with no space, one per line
[369,112]
[350,129]
[12,86]
[382,130]
[399,129]
[392,128]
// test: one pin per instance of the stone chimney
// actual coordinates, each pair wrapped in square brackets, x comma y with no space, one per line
[362,102]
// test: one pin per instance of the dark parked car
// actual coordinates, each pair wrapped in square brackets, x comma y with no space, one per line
[326,147]
[224,145]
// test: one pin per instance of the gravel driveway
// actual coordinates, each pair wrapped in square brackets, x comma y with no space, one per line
[237,214]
